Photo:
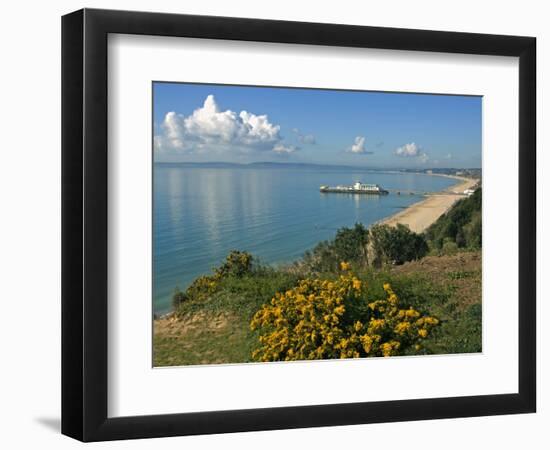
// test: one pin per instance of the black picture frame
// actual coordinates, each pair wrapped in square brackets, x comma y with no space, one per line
[84,224]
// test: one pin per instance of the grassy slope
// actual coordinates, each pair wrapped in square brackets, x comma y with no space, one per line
[456,299]
[217,330]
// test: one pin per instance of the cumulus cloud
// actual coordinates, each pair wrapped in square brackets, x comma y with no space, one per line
[358,146]
[412,150]
[408,150]
[209,128]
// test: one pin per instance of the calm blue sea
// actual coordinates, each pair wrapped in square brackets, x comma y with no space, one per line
[275,213]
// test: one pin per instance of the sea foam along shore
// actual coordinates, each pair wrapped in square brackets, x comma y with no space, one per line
[419,216]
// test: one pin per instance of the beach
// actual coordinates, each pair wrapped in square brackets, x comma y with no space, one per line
[419,216]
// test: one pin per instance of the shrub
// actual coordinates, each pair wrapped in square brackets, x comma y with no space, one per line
[178,297]
[449,247]
[472,231]
[202,287]
[463,334]
[324,319]
[237,264]
[460,225]
[396,245]
[349,244]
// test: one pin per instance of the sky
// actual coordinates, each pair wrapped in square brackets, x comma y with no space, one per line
[244,124]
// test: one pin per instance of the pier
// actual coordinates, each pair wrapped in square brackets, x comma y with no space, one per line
[375,189]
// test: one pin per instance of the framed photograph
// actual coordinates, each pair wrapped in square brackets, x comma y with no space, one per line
[273,225]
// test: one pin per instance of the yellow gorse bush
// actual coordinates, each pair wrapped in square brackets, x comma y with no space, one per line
[324,319]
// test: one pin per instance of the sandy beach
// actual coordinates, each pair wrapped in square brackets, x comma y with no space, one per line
[421,215]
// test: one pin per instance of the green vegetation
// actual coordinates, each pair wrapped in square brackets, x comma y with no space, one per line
[459,228]
[212,317]
[350,244]
[362,247]
[327,319]
[396,245]
[214,328]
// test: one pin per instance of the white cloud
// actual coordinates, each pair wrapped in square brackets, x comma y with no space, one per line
[408,150]
[358,146]
[173,128]
[209,128]
[412,150]
[282,149]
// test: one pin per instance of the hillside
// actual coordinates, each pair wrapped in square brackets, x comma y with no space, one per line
[217,330]
[460,227]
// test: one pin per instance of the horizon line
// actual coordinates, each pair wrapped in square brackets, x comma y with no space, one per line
[281,163]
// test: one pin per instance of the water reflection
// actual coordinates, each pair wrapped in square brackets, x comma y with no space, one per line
[200,214]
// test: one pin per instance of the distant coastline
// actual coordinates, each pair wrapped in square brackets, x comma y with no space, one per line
[447,171]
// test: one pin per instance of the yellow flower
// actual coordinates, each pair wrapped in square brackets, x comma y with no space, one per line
[376,324]
[431,320]
[310,321]
[402,327]
[339,310]
[390,348]
[345,266]
[386,349]
[366,341]
[344,343]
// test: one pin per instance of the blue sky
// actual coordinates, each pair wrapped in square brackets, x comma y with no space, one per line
[200,122]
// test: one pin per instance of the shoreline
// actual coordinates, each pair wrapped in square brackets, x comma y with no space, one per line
[419,216]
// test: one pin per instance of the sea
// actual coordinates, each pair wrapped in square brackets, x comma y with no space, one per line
[275,212]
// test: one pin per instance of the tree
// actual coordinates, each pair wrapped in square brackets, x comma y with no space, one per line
[237,263]
[351,243]
[396,245]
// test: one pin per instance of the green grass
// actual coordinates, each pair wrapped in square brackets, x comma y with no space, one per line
[204,345]
[235,302]
[460,328]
